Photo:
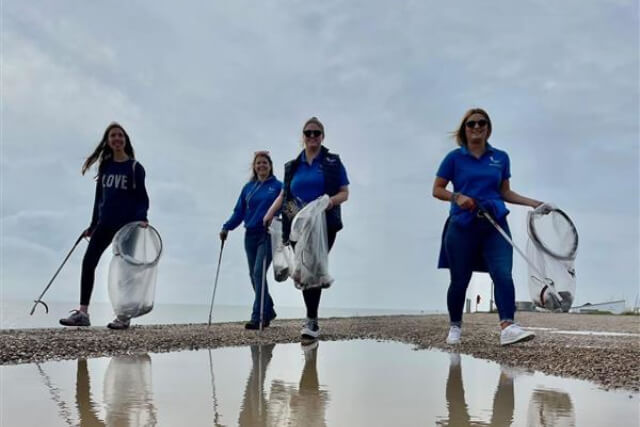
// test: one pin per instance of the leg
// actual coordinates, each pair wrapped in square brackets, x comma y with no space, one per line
[498,254]
[263,254]
[460,244]
[100,240]
[312,301]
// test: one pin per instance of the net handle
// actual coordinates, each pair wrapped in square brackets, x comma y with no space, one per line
[538,242]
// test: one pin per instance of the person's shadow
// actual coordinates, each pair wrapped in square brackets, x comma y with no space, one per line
[127,393]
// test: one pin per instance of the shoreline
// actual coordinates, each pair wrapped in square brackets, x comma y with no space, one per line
[610,361]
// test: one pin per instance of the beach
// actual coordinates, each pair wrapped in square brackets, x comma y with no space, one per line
[604,349]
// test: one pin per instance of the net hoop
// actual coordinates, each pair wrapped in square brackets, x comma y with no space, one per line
[128,228]
[538,242]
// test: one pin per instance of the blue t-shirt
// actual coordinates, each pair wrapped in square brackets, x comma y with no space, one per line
[121,196]
[479,179]
[307,183]
[253,203]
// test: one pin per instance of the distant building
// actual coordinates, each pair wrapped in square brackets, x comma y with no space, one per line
[613,307]
[525,306]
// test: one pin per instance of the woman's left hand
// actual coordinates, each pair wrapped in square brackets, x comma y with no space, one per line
[144,224]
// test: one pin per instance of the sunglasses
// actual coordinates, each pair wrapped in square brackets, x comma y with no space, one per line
[312,133]
[470,124]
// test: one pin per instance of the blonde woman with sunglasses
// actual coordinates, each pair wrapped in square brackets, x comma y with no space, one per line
[313,173]
[480,175]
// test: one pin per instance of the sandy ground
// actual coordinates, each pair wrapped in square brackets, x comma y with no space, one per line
[610,361]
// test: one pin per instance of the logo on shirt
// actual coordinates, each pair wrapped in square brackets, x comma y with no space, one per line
[494,162]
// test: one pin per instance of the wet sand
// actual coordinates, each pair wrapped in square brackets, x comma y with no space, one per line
[611,361]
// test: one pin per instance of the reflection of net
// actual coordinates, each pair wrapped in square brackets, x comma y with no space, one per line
[550,408]
[555,234]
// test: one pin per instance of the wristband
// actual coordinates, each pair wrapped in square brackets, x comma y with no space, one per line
[454,197]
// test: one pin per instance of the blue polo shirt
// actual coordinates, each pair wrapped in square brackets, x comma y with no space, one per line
[479,179]
[307,183]
[253,203]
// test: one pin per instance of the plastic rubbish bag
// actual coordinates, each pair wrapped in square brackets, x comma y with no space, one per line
[282,255]
[134,269]
[309,232]
[556,289]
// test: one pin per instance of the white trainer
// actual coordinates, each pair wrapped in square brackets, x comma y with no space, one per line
[454,335]
[513,334]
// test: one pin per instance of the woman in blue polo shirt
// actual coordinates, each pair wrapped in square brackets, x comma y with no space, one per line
[480,175]
[121,197]
[256,197]
[313,173]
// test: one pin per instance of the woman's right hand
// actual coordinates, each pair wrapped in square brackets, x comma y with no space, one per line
[465,202]
[224,234]
[87,233]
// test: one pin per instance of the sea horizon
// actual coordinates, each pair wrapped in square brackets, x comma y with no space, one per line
[15,313]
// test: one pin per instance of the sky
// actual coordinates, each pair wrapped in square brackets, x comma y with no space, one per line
[201,85]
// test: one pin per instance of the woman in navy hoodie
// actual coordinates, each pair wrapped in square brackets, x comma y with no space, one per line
[256,197]
[121,197]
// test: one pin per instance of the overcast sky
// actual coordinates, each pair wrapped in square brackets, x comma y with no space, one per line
[200,86]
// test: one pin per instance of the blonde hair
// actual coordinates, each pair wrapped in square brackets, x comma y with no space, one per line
[460,135]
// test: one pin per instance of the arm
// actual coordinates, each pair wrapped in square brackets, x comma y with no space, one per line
[275,207]
[339,198]
[440,192]
[96,208]
[142,198]
[238,214]
[508,195]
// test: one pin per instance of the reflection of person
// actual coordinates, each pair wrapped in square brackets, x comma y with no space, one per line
[306,406]
[503,400]
[254,409]
[255,199]
[128,396]
[120,198]
[313,173]
[480,175]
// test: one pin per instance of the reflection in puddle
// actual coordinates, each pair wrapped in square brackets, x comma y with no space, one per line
[354,383]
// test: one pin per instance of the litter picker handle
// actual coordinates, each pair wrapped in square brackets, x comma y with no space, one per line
[534,267]
[39,299]
[215,285]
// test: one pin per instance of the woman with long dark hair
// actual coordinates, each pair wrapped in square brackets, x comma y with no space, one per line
[121,197]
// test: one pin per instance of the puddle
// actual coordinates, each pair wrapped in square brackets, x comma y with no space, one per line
[596,333]
[347,383]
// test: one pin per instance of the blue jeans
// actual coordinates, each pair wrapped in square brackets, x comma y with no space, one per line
[462,244]
[257,244]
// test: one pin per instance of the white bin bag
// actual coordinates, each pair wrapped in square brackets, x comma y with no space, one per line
[309,232]
[282,255]
[133,269]
[551,248]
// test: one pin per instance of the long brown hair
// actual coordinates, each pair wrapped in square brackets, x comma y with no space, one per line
[103,152]
[460,135]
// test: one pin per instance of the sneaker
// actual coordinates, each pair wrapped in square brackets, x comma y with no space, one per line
[252,325]
[513,334]
[77,318]
[119,323]
[310,330]
[454,335]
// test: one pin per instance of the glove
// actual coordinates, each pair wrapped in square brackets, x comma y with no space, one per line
[545,208]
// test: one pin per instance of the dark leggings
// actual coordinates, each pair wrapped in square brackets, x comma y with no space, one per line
[312,296]
[100,240]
